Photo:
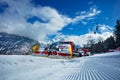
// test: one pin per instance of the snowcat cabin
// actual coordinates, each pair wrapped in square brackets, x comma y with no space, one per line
[68,44]
[66,48]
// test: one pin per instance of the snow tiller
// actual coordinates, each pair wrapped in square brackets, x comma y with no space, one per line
[59,49]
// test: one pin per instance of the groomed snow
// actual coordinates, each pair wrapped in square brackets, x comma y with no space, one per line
[97,67]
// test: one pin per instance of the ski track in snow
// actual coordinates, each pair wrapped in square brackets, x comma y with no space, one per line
[97,67]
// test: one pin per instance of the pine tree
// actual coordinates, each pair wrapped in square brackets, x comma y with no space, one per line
[110,42]
[117,33]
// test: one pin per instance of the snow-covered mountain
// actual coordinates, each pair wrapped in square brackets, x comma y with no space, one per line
[14,44]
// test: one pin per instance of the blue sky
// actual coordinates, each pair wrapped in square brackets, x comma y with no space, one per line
[110,9]
[74,7]
[46,20]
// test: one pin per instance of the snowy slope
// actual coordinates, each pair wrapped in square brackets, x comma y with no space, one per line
[97,67]
[14,44]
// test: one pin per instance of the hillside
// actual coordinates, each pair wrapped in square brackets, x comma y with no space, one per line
[15,44]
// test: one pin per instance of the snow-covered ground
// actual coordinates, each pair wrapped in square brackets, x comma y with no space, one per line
[97,67]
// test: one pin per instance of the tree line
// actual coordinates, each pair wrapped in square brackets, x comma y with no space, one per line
[112,42]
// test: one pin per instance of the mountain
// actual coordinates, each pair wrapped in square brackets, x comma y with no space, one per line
[15,44]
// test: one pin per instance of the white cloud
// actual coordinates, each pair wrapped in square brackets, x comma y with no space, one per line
[105,28]
[90,18]
[84,23]
[14,19]
[71,28]
[83,12]
[91,2]
[86,14]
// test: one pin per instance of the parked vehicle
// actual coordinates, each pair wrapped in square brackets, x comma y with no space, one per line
[86,52]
